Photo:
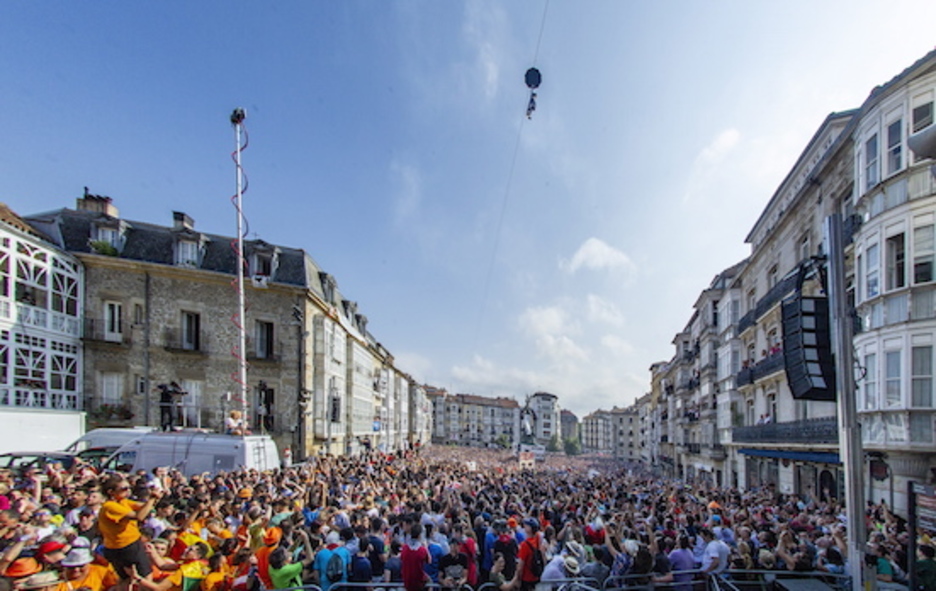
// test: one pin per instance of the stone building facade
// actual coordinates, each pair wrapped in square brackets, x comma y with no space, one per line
[161,306]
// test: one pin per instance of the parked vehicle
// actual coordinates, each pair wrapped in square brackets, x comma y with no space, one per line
[195,452]
[21,462]
[110,438]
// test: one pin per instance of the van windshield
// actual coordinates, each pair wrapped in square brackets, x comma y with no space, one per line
[121,461]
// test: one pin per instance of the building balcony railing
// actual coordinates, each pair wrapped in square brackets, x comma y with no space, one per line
[744,377]
[747,321]
[179,342]
[763,368]
[768,365]
[97,330]
[822,431]
[763,305]
[694,448]
[716,451]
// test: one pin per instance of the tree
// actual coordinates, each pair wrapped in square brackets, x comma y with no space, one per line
[554,444]
[503,441]
[572,447]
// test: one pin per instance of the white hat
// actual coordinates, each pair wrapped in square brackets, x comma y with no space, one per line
[77,557]
[571,564]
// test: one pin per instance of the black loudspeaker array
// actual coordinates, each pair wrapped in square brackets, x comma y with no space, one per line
[807,348]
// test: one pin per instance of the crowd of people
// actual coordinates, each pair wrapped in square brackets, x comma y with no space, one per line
[441,517]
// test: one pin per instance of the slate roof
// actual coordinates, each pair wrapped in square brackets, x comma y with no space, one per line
[73,229]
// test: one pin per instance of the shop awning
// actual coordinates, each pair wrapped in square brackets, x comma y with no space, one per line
[821,457]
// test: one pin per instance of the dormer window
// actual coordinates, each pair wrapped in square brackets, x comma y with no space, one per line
[107,238]
[187,253]
[263,265]
[108,235]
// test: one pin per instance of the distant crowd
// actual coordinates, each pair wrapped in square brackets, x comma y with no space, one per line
[439,517]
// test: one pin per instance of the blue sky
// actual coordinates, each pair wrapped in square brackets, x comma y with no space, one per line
[492,254]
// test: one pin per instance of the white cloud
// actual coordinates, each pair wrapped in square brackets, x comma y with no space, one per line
[602,311]
[484,376]
[616,345]
[484,25]
[418,366]
[552,330]
[707,162]
[409,194]
[596,254]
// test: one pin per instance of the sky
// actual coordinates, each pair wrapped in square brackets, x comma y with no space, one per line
[492,254]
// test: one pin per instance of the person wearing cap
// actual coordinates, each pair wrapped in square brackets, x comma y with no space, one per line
[78,572]
[42,520]
[118,522]
[271,540]
[525,578]
[51,553]
[45,580]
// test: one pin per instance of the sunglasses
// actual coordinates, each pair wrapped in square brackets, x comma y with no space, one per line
[123,488]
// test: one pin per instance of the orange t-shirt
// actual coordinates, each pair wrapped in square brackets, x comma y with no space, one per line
[99,578]
[117,531]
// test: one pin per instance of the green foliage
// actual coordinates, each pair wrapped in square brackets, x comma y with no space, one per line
[554,444]
[103,247]
[572,447]
[503,441]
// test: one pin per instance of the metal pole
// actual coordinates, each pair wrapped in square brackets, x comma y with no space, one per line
[241,304]
[849,429]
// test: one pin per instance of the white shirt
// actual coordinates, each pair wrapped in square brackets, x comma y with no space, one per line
[716,551]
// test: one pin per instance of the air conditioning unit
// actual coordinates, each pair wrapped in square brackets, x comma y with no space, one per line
[260,281]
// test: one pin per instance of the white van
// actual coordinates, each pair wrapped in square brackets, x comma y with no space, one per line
[195,452]
[108,437]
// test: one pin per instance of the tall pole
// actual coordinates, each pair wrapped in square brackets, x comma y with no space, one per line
[237,118]
[849,430]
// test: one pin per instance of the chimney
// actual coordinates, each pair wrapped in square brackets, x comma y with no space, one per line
[97,203]
[181,221]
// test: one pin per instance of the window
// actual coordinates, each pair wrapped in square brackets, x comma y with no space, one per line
[872,278]
[921,428]
[894,146]
[871,162]
[870,382]
[113,321]
[263,265]
[922,116]
[191,331]
[187,253]
[111,391]
[923,250]
[921,372]
[892,379]
[264,339]
[772,277]
[896,262]
[804,247]
[108,235]
[192,402]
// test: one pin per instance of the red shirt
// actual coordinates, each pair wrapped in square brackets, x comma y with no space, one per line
[525,554]
[412,562]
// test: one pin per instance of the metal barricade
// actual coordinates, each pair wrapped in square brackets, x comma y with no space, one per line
[785,580]
[686,580]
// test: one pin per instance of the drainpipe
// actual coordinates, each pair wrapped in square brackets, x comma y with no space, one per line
[147,294]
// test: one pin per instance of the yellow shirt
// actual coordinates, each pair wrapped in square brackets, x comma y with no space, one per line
[99,578]
[117,531]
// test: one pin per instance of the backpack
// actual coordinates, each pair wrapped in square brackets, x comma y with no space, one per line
[335,568]
[507,546]
[537,564]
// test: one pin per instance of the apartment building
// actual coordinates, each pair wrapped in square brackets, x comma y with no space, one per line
[478,421]
[159,307]
[873,166]
[41,290]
